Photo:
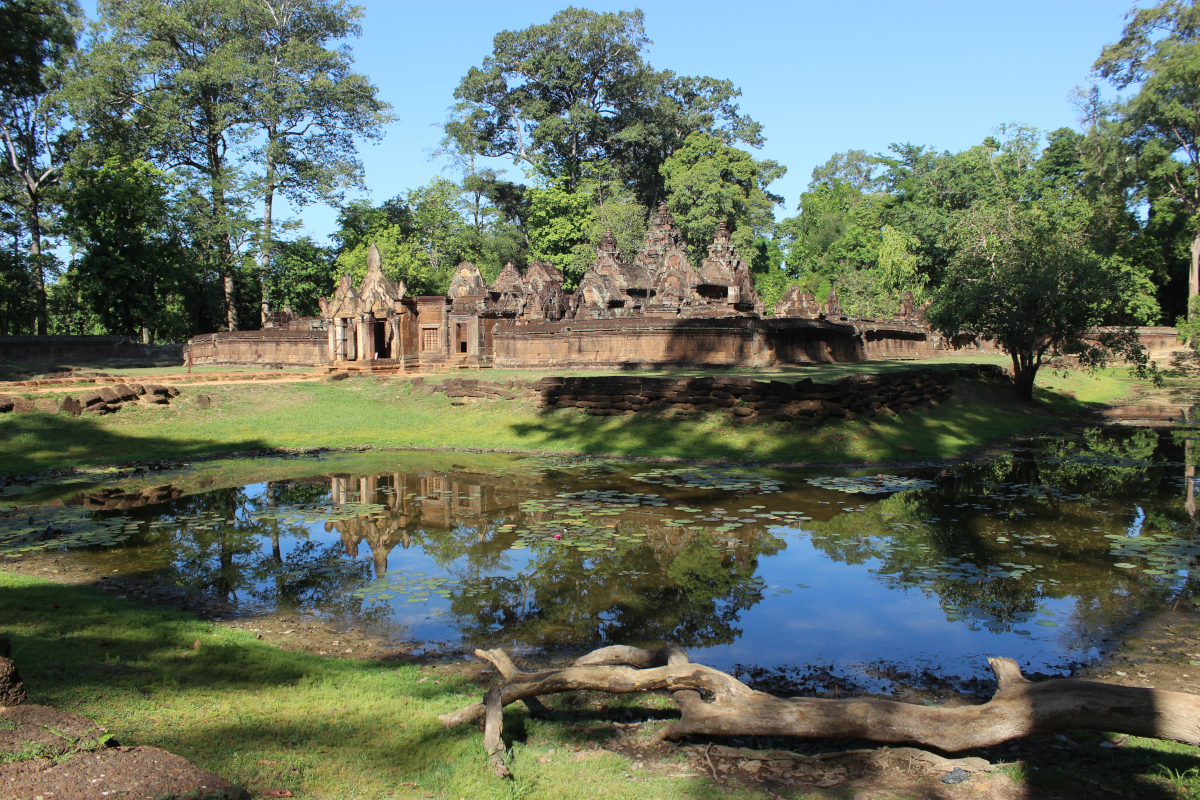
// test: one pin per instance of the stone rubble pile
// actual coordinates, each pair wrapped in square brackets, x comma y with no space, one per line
[109,399]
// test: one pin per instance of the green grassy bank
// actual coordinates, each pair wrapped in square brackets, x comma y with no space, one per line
[378,412]
[333,728]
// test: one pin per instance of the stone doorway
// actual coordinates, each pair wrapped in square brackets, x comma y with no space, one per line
[380,338]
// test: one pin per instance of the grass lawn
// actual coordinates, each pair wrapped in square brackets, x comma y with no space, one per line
[363,411]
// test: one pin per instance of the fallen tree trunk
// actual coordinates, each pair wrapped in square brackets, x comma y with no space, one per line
[1019,708]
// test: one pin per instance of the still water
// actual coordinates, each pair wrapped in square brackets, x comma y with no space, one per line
[1044,552]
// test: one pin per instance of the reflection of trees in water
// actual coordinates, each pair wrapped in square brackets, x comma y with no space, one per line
[242,559]
[312,577]
[672,586]
[1105,463]
[566,598]
[979,504]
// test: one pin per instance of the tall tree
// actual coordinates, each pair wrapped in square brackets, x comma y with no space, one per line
[37,51]
[309,105]
[182,74]
[1159,54]
[577,91]
[855,168]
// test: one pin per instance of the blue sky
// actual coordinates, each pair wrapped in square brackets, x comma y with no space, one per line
[821,77]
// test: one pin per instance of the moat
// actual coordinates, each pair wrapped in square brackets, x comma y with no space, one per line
[1044,551]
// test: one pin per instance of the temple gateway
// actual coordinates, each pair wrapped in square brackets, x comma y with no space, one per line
[652,311]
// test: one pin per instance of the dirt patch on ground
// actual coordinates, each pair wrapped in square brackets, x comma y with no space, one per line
[1162,652]
[52,755]
[119,773]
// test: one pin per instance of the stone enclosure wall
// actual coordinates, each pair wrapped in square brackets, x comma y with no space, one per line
[82,350]
[268,347]
[847,398]
[610,395]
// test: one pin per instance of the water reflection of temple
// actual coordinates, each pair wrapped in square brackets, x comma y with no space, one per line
[443,502]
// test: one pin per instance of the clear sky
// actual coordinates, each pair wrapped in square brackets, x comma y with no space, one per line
[822,77]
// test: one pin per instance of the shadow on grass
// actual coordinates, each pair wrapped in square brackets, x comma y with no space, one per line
[30,442]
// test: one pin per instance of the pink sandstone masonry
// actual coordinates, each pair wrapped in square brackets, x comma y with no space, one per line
[847,398]
[82,350]
[800,401]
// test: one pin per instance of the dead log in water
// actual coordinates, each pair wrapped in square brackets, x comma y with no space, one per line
[1018,709]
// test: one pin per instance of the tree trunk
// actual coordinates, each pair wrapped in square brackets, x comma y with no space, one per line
[216,166]
[1024,371]
[39,273]
[1194,274]
[1019,708]
[264,256]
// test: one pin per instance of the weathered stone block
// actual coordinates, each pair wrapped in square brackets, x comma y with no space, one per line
[807,407]
[12,688]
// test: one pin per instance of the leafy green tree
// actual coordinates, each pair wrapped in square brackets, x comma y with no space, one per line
[358,222]
[855,168]
[1159,55]
[181,75]
[70,311]
[35,34]
[18,304]
[309,105]
[245,98]
[301,271]
[558,223]
[38,50]
[422,249]
[771,279]
[708,181]
[131,258]
[577,91]
[837,230]
[493,236]
[1026,276]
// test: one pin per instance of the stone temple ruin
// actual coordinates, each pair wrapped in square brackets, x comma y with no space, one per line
[654,309]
